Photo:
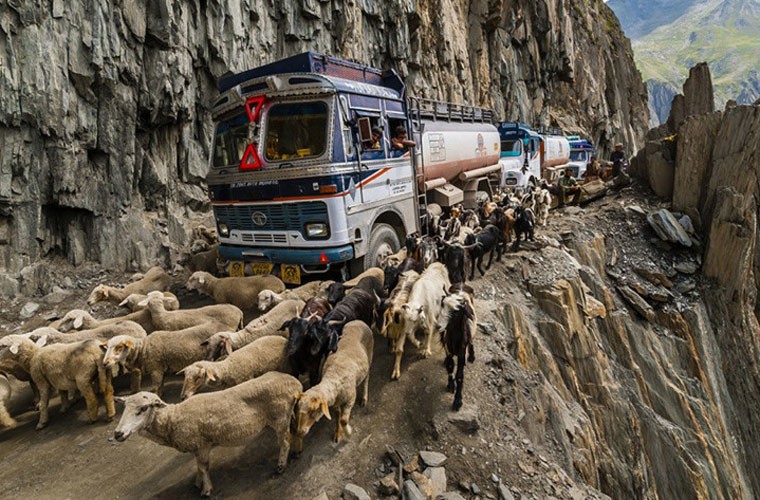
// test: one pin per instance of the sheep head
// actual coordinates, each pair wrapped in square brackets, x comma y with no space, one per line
[10,345]
[198,280]
[99,294]
[118,350]
[218,345]
[197,376]
[138,412]
[75,320]
[311,408]
[266,300]
[153,301]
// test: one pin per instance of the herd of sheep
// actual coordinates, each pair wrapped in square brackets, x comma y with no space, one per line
[306,356]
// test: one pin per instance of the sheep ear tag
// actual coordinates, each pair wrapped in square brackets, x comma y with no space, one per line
[78,322]
[13,348]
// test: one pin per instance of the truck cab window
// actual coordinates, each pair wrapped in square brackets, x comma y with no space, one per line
[296,130]
[376,146]
[230,141]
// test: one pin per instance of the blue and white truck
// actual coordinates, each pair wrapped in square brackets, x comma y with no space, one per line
[301,182]
[528,156]
[581,151]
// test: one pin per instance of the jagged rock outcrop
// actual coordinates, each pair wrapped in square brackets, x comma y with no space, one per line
[716,171]
[656,162]
[637,398]
[104,122]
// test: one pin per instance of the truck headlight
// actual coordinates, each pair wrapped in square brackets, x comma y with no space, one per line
[224,231]
[317,230]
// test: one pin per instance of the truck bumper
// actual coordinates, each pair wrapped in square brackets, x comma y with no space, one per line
[303,256]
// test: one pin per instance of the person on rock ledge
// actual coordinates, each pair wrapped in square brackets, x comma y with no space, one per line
[568,186]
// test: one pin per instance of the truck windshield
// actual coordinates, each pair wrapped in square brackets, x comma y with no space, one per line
[296,130]
[577,156]
[230,141]
[511,147]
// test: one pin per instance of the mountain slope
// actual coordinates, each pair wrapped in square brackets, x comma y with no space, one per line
[721,32]
[641,17]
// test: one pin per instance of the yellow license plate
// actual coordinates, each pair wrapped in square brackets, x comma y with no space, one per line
[291,274]
[236,269]
[261,267]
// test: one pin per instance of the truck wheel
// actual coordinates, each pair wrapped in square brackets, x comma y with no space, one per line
[383,241]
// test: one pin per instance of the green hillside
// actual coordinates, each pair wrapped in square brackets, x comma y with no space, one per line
[725,33]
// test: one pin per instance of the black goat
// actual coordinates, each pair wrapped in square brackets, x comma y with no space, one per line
[360,303]
[454,260]
[525,223]
[457,324]
[335,293]
[301,339]
[488,241]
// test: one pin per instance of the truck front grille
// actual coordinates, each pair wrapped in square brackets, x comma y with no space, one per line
[275,217]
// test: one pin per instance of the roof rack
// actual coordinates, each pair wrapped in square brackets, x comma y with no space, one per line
[448,111]
[550,131]
[313,62]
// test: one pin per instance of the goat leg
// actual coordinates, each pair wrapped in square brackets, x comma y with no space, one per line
[449,363]
[459,381]
[471,350]
[480,265]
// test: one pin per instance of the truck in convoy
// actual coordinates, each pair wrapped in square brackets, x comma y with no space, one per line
[581,151]
[528,156]
[304,178]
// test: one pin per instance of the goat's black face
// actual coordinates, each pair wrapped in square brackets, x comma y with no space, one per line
[335,293]
[298,332]
[391,278]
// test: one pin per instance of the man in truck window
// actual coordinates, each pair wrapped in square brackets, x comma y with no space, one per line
[399,140]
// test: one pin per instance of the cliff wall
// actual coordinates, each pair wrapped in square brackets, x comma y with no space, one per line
[104,117]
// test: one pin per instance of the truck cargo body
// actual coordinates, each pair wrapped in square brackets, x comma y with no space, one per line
[297,184]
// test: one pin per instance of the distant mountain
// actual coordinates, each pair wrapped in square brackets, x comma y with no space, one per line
[671,36]
[641,17]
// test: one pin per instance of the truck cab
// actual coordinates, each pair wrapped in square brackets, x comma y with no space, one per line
[520,156]
[581,152]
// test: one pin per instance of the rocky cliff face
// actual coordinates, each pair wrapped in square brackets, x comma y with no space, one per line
[104,123]
[714,166]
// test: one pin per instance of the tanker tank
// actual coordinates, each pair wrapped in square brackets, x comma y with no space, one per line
[555,151]
[453,150]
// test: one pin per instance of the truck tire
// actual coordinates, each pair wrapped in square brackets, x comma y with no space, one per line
[383,241]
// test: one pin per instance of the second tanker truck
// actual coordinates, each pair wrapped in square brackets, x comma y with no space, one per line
[527,155]
[307,175]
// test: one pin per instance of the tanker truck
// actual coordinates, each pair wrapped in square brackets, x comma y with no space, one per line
[304,178]
[528,156]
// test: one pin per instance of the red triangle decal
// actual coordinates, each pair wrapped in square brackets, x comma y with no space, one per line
[250,159]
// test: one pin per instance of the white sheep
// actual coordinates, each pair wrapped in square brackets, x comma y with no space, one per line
[224,418]
[79,319]
[226,314]
[342,373]
[46,335]
[241,292]
[269,299]
[393,319]
[264,325]
[171,302]
[424,304]
[5,395]
[159,353]
[264,355]
[65,367]
[155,279]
